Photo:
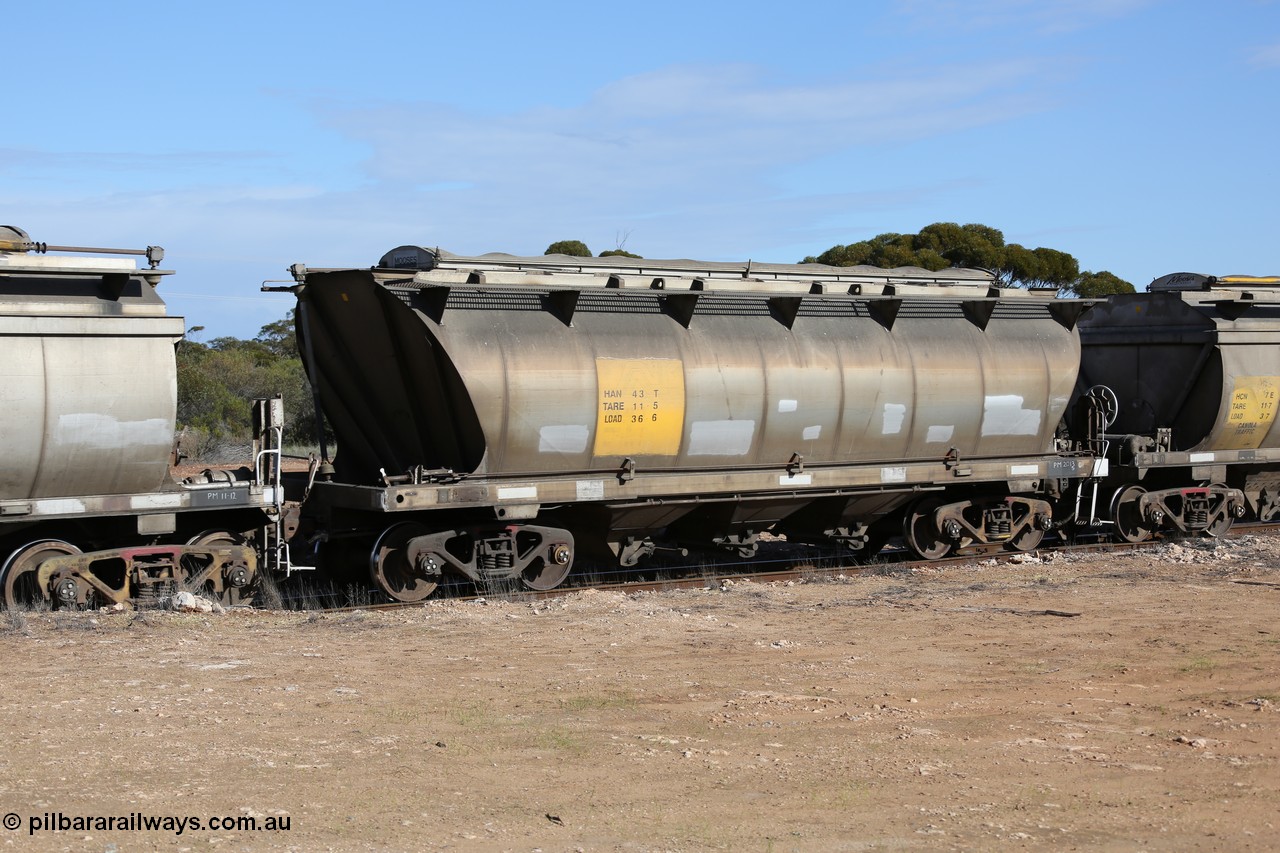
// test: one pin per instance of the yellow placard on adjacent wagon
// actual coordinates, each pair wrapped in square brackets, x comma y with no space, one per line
[640,406]
[1253,408]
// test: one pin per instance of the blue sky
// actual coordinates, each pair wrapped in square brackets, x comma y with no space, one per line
[1138,135]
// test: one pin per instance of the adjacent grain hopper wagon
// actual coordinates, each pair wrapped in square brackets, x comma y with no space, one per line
[1193,372]
[89,514]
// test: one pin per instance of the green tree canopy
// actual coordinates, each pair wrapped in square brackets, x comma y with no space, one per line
[1094,285]
[620,253]
[949,244]
[576,248]
[278,337]
[218,381]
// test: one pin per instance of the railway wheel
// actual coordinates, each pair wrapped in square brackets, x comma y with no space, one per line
[921,535]
[1268,505]
[1130,525]
[1028,540]
[1219,527]
[235,590]
[22,586]
[391,569]
[1222,523]
[551,572]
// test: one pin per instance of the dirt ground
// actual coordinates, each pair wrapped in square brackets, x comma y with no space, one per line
[938,709]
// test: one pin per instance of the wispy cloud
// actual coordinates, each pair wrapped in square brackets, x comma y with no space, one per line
[691,160]
[25,161]
[697,149]
[1267,56]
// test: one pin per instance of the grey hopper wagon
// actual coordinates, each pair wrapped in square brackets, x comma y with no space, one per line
[87,403]
[88,511]
[497,414]
[1194,369]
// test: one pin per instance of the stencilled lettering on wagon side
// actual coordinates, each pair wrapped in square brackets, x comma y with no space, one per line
[1252,411]
[640,406]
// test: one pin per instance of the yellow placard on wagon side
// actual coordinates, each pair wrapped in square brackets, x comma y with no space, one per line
[1252,411]
[640,406]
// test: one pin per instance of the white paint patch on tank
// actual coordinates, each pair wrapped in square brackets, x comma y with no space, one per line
[516,493]
[103,432]
[811,432]
[563,438]
[721,438]
[1002,414]
[787,405]
[940,434]
[156,501]
[58,506]
[894,415]
[795,480]
[590,490]
[893,475]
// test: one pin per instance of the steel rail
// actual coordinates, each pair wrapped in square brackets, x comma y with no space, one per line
[799,570]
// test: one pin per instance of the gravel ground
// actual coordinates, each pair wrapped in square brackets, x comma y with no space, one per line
[1093,703]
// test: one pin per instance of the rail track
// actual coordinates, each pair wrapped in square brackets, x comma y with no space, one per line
[817,564]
